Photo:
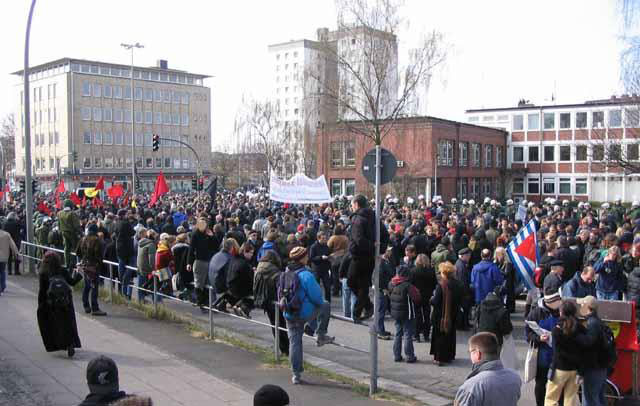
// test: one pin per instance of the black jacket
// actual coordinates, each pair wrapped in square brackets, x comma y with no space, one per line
[493,317]
[570,259]
[363,234]
[425,280]
[102,400]
[633,285]
[202,246]
[319,265]
[402,298]
[593,356]
[567,352]
[124,238]
[240,277]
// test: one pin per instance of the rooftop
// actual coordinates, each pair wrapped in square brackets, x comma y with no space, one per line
[526,105]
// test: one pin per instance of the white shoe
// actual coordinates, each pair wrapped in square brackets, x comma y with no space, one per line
[296,380]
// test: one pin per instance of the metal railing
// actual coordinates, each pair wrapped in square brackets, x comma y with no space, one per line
[211,309]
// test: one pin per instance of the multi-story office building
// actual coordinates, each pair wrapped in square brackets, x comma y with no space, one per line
[84,108]
[304,70]
[567,151]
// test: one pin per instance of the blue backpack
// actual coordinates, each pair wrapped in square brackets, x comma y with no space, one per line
[288,287]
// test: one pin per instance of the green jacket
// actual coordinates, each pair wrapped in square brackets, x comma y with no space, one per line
[69,225]
[441,254]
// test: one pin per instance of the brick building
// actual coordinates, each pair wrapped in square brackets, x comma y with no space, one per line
[471,159]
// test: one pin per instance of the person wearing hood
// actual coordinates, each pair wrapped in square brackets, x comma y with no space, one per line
[489,382]
[265,293]
[204,244]
[90,251]
[269,244]
[404,296]
[240,281]
[443,253]
[71,230]
[485,277]
[581,285]
[146,259]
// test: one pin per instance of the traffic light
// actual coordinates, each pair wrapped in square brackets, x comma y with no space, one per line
[22,186]
[194,184]
[34,186]
[74,154]
[138,184]
[156,142]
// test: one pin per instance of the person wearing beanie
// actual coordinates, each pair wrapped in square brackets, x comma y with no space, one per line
[90,250]
[270,395]
[303,305]
[103,382]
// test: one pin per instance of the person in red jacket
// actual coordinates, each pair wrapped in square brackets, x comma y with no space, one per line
[165,265]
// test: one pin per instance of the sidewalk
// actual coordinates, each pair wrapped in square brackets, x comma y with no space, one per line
[155,358]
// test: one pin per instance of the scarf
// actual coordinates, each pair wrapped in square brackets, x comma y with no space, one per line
[162,246]
[445,322]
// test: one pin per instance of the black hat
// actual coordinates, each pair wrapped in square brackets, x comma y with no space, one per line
[102,376]
[445,241]
[556,262]
[270,395]
[464,251]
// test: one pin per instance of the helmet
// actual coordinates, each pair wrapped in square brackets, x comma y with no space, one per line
[486,200]
[605,205]
[493,202]
[531,204]
[454,200]
[410,200]
[556,208]
[465,202]
[395,200]
[587,204]
[472,202]
[524,202]
[421,197]
[635,203]
[509,202]
[565,202]
[618,199]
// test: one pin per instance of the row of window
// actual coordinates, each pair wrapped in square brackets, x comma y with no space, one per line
[153,75]
[39,139]
[579,153]
[286,55]
[50,116]
[478,187]
[446,157]
[550,186]
[346,187]
[147,94]
[37,93]
[119,162]
[629,117]
[120,138]
[343,154]
[124,115]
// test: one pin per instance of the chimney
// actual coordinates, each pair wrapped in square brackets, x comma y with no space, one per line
[162,64]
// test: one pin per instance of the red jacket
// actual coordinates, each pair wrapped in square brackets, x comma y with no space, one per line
[164,258]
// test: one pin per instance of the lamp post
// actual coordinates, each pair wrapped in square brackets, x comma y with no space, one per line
[131,47]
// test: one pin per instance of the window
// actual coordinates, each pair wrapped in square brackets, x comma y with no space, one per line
[581,119]
[350,154]
[581,186]
[336,154]
[445,153]
[119,138]
[565,152]
[475,155]
[139,162]
[597,119]
[138,93]
[86,163]
[117,92]
[549,186]
[148,140]
[86,113]
[57,137]
[86,89]
[148,117]
[127,116]
[139,140]
[167,162]
[549,153]
[473,119]
[177,97]
[108,91]
[533,154]
[185,98]
[51,164]
[108,138]
[350,187]
[462,187]
[632,117]
[157,117]
[597,153]
[487,187]
[549,121]
[148,163]
[106,114]
[614,152]
[581,152]
[127,93]
[518,122]
[166,118]
[97,138]
[533,121]
[148,94]
[175,118]
[127,138]
[138,117]
[475,187]
[564,185]
[37,140]
[185,164]
[463,158]
[185,119]
[166,96]
[533,186]
[488,155]
[97,114]
[632,152]
[97,90]
[499,155]
[119,162]
[615,118]
[108,162]
[336,187]
[117,115]
[86,137]
[518,154]
[97,162]
[157,95]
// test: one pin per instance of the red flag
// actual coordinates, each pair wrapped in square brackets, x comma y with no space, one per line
[84,201]
[100,184]
[43,208]
[58,203]
[160,189]
[97,202]
[7,192]
[60,188]
[125,202]
[75,199]
[115,191]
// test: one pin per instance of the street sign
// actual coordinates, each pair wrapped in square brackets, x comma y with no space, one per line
[388,162]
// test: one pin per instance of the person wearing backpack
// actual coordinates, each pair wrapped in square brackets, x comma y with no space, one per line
[265,293]
[598,355]
[56,315]
[404,297]
[302,301]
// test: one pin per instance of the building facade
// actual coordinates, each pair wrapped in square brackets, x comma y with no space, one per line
[435,157]
[561,151]
[84,108]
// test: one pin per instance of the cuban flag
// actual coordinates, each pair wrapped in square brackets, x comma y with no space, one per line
[523,252]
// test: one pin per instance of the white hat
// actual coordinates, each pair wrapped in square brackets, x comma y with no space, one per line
[587,204]
[465,201]
[524,202]
[565,202]
[552,201]
[395,200]
[472,202]
[421,197]
[605,205]
[635,203]
[531,204]
[410,200]
[388,197]
[580,205]
[509,202]
[493,202]
[486,200]
[556,208]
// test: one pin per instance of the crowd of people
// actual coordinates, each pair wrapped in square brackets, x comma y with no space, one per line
[443,267]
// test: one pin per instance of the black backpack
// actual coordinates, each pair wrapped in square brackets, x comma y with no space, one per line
[288,288]
[59,293]
[609,353]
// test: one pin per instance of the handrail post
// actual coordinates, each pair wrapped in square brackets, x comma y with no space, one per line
[634,372]
[211,313]
[111,283]
[276,338]
[155,291]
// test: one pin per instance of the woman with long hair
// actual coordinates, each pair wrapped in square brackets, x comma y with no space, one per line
[510,277]
[446,301]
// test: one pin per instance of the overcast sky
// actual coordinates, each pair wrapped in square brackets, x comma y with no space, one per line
[500,51]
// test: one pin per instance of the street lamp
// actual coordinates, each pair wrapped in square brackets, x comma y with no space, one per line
[133,117]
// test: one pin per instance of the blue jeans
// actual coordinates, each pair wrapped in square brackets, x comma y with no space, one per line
[404,332]
[382,309]
[3,276]
[601,295]
[125,275]
[296,330]
[90,287]
[348,299]
[141,294]
[593,387]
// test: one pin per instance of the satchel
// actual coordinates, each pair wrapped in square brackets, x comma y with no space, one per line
[90,271]
[163,274]
[531,364]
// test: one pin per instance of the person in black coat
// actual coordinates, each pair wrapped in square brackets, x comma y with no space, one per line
[240,281]
[320,263]
[463,275]
[57,325]
[568,256]
[124,249]
[446,302]
[423,277]
[14,228]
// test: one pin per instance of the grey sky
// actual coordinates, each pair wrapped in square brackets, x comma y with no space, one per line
[500,51]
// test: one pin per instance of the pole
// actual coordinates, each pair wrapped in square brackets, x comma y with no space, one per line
[27,143]
[373,385]
[155,297]
[211,313]
[435,177]
[110,283]
[133,119]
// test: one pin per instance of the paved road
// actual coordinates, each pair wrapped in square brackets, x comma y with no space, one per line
[158,359]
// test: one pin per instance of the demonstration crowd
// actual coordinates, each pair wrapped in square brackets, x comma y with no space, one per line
[444,267]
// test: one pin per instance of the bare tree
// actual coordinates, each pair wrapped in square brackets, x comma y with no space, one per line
[370,91]
[7,138]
